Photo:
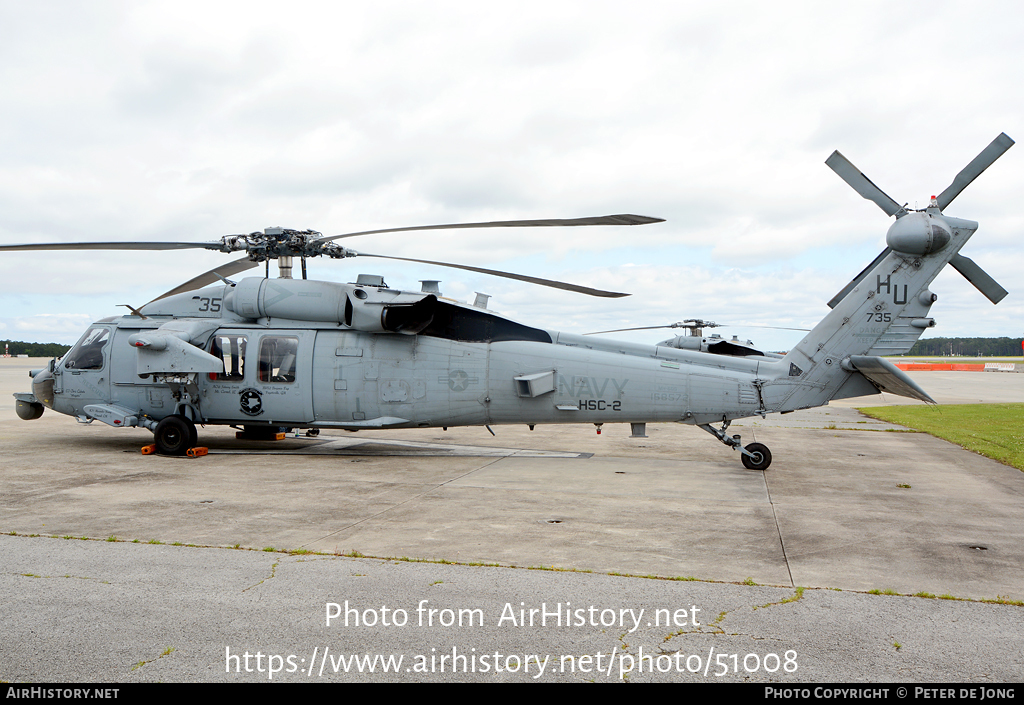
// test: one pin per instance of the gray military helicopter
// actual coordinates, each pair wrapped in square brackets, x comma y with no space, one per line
[693,338]
[270,354]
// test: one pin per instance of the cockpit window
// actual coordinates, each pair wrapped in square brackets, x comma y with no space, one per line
[277,359]
[88,353]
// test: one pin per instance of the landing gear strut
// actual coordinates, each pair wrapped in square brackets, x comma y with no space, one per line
[755,456]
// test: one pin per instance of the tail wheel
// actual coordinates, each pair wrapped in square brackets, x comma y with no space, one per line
[762,457]
[174,435]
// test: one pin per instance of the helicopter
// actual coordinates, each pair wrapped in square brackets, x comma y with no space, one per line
[693,338]
[273,354]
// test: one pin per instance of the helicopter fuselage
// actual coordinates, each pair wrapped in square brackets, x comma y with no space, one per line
[317,374]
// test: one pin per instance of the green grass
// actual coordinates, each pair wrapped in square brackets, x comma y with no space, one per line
[993,430]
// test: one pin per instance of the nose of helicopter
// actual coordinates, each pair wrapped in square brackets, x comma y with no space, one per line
[42,386]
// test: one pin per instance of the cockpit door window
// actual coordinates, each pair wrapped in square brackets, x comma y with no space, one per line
[230,349]
[88,354]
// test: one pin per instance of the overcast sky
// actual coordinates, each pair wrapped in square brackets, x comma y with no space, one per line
[178,120]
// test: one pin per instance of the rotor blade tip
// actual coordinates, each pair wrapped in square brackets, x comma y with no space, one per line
[630,219]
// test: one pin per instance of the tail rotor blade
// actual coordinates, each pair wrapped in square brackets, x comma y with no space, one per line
[979,278]
[970,172]
[857,279]
[863,185]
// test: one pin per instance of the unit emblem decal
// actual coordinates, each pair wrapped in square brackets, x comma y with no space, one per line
[251,402]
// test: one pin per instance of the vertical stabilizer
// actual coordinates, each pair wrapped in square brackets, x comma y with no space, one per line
[884,309]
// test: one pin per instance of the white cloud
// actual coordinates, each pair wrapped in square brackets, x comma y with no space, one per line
[47,327]
[162,121]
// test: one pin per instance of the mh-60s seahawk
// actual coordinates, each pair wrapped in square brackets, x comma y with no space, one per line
[269,354]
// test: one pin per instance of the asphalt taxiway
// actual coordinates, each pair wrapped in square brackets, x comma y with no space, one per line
[845,508]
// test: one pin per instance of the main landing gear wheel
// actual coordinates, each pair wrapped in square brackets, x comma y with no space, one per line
[174,435]
[762,457]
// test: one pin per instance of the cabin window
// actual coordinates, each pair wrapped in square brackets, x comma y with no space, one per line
[231,350]
[277,359]
[88,353]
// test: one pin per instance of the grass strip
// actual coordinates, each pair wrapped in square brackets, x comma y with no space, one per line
[993,430]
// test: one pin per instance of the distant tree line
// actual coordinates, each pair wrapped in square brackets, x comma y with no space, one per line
[968,347]
[19,347]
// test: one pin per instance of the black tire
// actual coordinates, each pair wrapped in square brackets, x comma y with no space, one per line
[174,435]
[762,457]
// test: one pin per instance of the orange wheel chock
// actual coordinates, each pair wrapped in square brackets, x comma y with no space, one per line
[197,452]
[149,450]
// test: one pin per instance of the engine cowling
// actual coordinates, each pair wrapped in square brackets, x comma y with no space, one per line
[367,308]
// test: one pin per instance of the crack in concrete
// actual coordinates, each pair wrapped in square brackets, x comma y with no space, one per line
[67,575]
[273,574]
[166,652]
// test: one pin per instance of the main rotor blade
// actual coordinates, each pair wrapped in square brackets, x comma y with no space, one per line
[622,219]
[970,172]
[863,185]
[623,330]
[745,325]
[979,278]
[706,325]
[115,246]
[507,275]
[214,275]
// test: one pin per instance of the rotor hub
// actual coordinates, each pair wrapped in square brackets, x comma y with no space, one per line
[918,233]
[274,243]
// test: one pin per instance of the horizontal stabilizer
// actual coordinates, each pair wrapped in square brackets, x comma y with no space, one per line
[889,378]
[979,278]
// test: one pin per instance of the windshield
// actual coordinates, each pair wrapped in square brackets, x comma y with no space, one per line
[88,352]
